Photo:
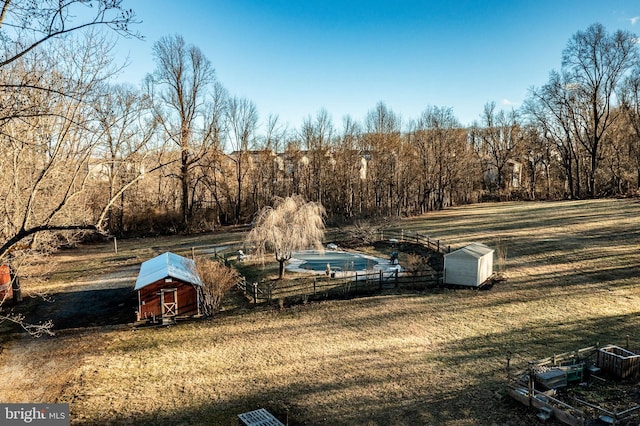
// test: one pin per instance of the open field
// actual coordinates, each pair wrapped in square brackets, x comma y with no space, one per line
[433,358]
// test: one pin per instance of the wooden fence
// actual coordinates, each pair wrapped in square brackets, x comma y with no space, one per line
[321,287]
[318,287]
[416,237]
[222,253]
[225,252]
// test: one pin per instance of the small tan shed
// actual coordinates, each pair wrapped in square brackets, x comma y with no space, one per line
[469,266]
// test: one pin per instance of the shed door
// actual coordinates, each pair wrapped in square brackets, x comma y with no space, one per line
[169,301]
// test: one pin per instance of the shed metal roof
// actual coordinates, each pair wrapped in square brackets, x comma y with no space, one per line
[167,265]
[476,250]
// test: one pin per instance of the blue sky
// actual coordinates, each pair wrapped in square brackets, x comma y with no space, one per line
[293,58]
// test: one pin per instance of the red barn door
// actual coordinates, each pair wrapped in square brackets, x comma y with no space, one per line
[169,302]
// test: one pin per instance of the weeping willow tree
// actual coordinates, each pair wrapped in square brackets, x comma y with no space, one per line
[291,224]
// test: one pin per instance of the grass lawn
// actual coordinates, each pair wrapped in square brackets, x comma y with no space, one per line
[435,357]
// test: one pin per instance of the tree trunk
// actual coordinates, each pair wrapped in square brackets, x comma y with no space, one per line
[569,174]
[15,286]
[578,191]
[184,170]
[238,209]
[592,174]
[281,268]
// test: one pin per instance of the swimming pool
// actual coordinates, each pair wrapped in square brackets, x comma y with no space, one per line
[341,262]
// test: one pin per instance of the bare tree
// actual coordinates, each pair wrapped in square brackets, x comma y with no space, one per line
[630,100]
[315,135]
[537,153]
[46,129]
[46,168]
[35,23]
[47,152]
[42,113]
[126,132]
[348,173]
[382,139]
[548,109]
[497,141]
[242,119]
[179,89]
[438,139]
[595,63]
[266,166]
[291,224]
[213,172]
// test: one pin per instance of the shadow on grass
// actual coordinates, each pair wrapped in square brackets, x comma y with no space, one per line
[389,396]
[434,409]
[78,309]
[545,338]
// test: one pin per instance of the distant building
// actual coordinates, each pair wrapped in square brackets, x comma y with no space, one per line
[511,175]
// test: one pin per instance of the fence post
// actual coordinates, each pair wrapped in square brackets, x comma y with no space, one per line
[402,235]
[396,277]
[438,247]
[314,286]
[255,293]
[628,343]
[380,279]
[530,386]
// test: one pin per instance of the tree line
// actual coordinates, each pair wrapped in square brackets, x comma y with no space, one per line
[79,153]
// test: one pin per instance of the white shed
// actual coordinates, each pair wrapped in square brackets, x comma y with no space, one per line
[471,265]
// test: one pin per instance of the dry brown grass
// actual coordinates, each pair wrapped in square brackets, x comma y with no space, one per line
[400,359]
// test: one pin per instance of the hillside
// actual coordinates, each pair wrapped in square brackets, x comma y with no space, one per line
[435,357]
